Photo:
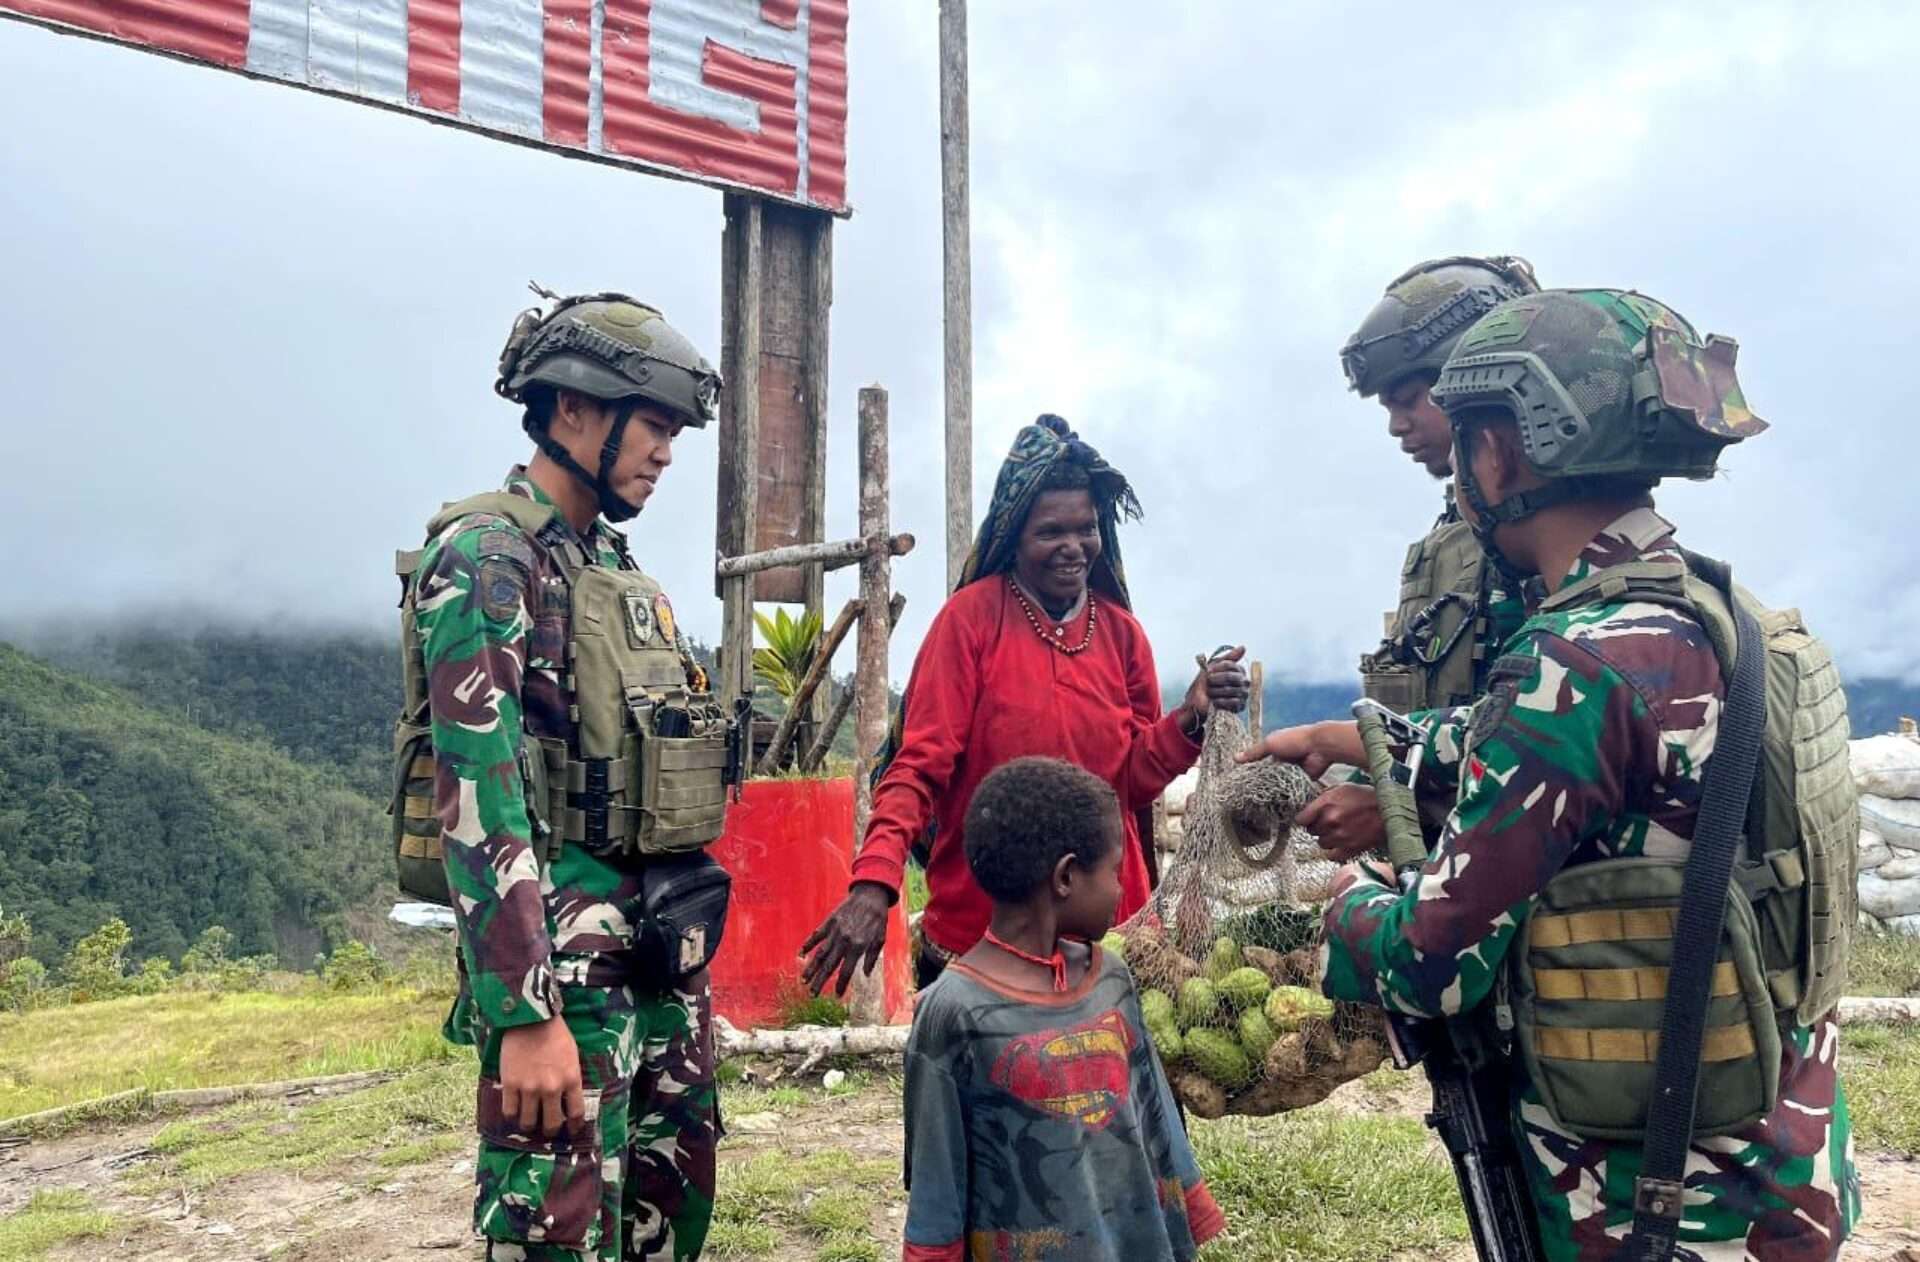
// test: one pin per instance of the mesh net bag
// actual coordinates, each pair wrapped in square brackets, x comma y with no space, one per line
[1226,952]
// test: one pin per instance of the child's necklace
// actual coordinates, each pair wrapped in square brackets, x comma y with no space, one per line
[1055,963]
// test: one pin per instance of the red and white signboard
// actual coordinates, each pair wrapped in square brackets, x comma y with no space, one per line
[740,93]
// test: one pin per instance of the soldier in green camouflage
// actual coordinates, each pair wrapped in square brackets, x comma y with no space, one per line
[597,1109]
[1589,752]
[1454,610]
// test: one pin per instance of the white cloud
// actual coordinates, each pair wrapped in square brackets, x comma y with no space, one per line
[254,330]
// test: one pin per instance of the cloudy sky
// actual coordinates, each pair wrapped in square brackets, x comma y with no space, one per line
[251,331]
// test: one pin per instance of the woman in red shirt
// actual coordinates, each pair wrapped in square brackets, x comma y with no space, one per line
[1036,653]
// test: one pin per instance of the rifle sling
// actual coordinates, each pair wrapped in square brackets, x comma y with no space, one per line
[1659,1190]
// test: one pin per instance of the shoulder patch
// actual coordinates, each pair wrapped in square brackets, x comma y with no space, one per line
[1503,686]
[505,542]
[501,584]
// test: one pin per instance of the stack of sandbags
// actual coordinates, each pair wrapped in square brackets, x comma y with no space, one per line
[1886,770]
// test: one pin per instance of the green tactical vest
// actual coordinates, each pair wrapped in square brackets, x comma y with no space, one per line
[1588,970]
[646,773]
[1435,637]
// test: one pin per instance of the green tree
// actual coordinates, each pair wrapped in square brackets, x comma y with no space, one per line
[96,968]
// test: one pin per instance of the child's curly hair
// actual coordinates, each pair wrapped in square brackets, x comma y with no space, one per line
[1026,815]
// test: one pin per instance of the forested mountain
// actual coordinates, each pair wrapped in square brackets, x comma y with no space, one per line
[321,698]
[109,806]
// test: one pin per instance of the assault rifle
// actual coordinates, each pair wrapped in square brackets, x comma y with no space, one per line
[1469,1078]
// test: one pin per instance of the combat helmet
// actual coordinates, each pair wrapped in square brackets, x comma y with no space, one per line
[1424,311]
[611,347]
[1609,389]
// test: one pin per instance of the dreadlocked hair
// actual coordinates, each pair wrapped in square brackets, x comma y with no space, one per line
[1030,813]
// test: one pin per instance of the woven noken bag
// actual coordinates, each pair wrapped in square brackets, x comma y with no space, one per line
[1227,951]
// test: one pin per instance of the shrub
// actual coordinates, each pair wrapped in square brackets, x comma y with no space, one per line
[96,967]
[24,986]
[354,966]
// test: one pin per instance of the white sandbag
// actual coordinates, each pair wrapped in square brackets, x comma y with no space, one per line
[1887,766]
[1897,820]
[1903,866]
[1180,790]
[1874,850]
[1888,899]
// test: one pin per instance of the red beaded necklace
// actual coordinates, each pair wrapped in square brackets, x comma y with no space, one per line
[1033,620]
[1056,963]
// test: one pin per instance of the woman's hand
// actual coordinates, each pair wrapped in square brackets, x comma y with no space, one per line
[1313,746]
[1221,685]
[850,938]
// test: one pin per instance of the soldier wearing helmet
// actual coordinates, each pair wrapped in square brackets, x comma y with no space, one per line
[564,765]
[1576,868]
[1453,610]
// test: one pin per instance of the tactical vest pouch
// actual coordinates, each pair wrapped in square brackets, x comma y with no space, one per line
[1589,987]
[1428,658]
[652,755]
[416,828]
[683,914]
[1392,687]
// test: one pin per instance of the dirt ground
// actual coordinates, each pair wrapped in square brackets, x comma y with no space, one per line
[356,1209]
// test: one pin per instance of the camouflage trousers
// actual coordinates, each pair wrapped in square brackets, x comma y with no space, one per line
[633,1181]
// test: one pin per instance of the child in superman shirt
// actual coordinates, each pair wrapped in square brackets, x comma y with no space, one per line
[1039,1121]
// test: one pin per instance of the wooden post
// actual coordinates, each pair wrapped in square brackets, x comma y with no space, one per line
[957,284]
[1256,703]
[740,434]
[822,743]
[870,671]
[870,662]
[819,299]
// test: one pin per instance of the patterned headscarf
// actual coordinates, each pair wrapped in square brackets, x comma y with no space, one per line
[1038,449]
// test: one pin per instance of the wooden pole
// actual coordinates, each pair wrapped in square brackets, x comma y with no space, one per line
[870,671]
[819,320]
[1256,703]
[831,556]
[822,743]
[736,633]
[957,285]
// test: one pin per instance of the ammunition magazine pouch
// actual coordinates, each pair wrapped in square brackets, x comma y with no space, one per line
[1590,986]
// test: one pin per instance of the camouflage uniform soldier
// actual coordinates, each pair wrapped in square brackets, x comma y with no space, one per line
[1454,610]
[597,1110]
[1579,780]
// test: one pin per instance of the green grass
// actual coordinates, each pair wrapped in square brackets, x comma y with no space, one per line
[915,889]
[1317,1186]
[1880,1069]
[48,1219]
[1884,964]
[415,1118]
[59,1056]
[825,1199]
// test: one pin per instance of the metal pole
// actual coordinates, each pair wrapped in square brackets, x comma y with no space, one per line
[957,286]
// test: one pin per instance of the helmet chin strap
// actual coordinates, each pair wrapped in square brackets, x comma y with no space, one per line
[1517,507]
[611,506]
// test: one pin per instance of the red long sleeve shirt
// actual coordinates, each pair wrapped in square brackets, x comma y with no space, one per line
[985,690]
